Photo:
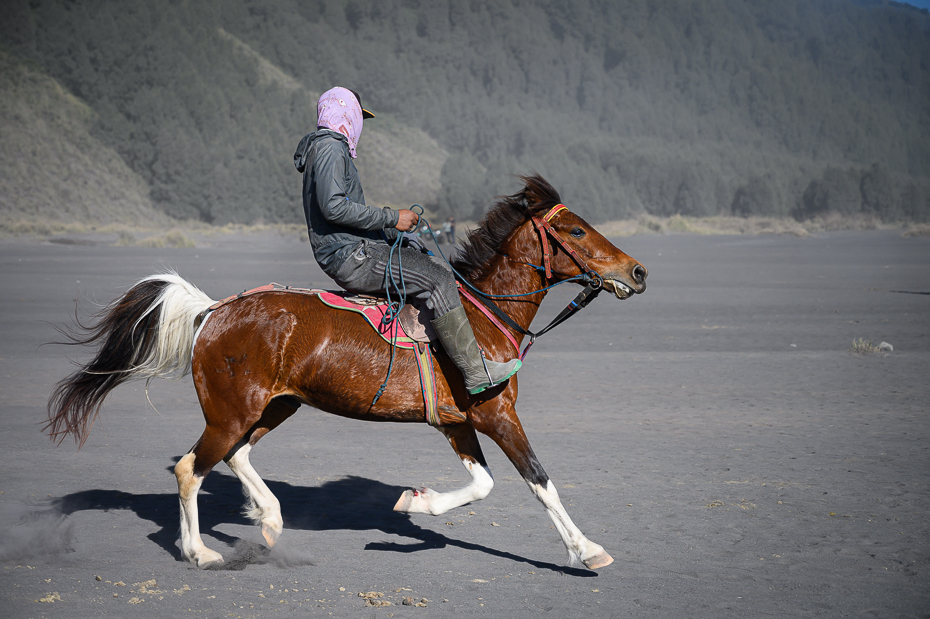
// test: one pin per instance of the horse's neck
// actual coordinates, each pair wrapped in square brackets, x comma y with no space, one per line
[512,278]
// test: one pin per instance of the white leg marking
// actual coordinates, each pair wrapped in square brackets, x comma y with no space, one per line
[579,547]
[192,546]
[263,508]
[428,501]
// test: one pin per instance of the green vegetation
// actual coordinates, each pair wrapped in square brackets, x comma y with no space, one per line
[809,109]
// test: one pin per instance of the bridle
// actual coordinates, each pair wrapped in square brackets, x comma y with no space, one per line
[545,230]
[594,283]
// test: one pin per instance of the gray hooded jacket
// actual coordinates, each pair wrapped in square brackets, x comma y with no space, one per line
[337,217]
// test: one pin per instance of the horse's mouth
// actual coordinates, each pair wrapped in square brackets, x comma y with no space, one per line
[620,290]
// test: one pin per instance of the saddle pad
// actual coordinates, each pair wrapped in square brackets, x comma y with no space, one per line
[373,314]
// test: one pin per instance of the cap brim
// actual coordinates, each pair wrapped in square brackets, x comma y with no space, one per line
[367,114]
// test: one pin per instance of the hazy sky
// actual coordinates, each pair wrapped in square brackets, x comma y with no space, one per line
[924,4]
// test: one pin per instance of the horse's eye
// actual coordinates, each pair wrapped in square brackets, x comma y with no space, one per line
[577,233]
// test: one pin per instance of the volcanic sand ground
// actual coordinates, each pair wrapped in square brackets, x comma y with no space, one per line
[715,435]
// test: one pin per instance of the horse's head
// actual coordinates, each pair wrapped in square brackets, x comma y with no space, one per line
[534,228]
[571,246]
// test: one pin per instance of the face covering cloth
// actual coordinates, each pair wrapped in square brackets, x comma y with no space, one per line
[340,111]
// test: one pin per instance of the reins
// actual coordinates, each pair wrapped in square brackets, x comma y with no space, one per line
[394,307]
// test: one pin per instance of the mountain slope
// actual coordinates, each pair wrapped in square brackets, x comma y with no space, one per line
[401,164]
[51,167]
[665,106]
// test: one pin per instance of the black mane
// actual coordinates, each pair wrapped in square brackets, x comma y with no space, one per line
[510,212]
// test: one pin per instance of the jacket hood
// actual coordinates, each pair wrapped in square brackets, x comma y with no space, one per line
[303,149]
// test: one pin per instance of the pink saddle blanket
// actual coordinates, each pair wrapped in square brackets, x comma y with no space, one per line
[412,325]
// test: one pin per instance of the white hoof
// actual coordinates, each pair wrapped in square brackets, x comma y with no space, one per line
[207,559]
[415,501]
[596,558]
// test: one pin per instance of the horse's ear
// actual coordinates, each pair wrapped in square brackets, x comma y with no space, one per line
[538,191]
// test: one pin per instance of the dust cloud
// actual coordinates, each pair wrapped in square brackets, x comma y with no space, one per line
[31,532]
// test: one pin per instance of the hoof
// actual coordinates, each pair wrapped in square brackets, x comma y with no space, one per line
[601,559]
[414,501]
[209,560]
[271,534]
[212,565]
[403,503]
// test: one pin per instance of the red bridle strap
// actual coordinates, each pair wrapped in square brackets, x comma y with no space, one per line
[541,226]
[554,211]
[545,230]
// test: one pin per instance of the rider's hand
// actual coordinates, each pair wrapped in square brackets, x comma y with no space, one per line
[407,220]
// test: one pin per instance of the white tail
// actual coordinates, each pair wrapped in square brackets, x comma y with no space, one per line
[133,342]
[179,304]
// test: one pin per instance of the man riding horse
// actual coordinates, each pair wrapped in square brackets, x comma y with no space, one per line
[352,242]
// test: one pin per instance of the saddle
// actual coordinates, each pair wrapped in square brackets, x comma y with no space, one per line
[412,323]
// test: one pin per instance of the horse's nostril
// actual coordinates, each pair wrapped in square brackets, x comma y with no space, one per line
[639,273]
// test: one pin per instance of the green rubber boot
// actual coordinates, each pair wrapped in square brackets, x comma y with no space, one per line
[458,339]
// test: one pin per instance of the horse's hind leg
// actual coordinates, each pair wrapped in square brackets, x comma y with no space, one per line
[192,546]
[190,472]
[263,508]
[427,501]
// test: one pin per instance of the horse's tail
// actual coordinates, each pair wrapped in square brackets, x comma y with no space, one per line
[146,333]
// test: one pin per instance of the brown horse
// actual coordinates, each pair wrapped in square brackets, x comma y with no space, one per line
[257,359]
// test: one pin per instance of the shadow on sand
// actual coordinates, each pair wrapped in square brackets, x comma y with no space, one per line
[351,503]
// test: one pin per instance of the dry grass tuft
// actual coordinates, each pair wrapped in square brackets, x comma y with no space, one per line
[863,347]
[722,224]
[680,224]
[831,222]
[917,230]
[172,238]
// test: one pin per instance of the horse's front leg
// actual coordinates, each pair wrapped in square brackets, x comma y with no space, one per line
[427,501]
[504,428]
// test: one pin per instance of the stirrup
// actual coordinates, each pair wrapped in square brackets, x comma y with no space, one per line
[484,362]
[491,382]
